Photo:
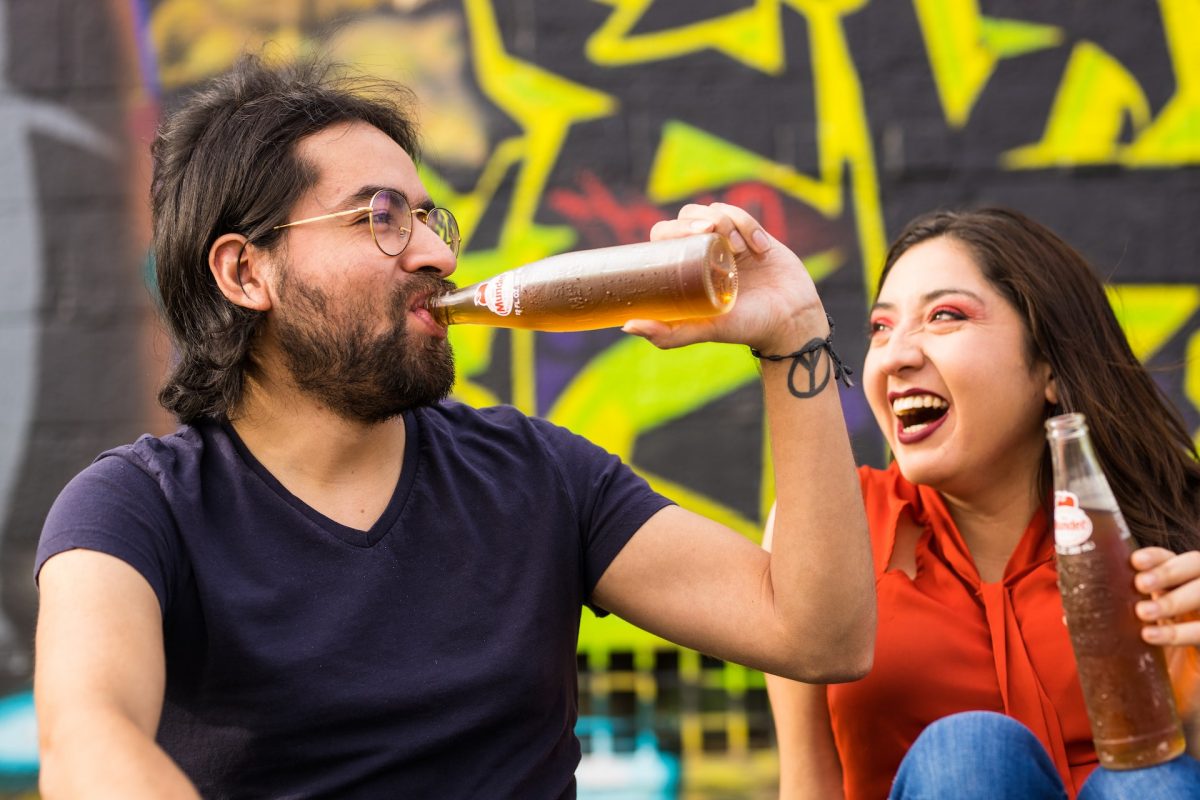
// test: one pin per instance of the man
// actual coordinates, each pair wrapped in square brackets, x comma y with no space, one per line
[329,582]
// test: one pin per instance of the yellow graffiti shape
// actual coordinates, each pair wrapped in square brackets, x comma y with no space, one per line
[432,62]
[690,161]
[545,106]
[613,415]
[1095,100]
[843,131]
[1191,378]
[964,47]
[194,40]
[1150,314]
[1174,137]
[632,388]
[751,36]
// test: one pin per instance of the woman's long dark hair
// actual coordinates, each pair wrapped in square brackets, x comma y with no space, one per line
[1139,436]
[226,162]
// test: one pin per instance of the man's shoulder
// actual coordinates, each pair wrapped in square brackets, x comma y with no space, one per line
[157,454]
[177,459]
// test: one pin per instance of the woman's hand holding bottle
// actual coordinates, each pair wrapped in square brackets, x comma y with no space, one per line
[1173,583]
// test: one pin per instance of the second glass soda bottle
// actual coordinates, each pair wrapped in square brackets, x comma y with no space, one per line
[1129,698]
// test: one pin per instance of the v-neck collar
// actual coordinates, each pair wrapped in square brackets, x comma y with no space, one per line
[345,533]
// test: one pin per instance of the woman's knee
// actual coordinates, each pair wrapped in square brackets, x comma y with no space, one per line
[976,754]
[981,732]
[1178,778]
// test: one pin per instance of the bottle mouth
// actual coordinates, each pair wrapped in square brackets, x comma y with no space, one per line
[1066,425]
[720,279]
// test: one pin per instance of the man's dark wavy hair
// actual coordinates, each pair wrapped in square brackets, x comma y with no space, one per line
[226,162]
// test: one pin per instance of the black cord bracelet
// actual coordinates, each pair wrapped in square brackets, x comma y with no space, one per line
[809,356]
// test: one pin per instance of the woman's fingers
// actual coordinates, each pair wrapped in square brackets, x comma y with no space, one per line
[1160,569]
[1173,581]
[1173,633]
[1176,603]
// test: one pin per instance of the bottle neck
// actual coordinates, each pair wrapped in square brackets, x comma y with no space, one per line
[1076,468]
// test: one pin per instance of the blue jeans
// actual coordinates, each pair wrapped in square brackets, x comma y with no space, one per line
[980,754]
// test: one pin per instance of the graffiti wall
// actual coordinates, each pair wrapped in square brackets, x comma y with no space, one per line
[552,125]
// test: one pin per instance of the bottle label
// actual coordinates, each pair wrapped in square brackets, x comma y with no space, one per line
[499,295]
[1072,526]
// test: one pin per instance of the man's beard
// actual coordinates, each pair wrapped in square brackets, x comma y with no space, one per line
[361,377]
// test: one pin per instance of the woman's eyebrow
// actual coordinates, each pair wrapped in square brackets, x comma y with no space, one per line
[929,297]
[937,294]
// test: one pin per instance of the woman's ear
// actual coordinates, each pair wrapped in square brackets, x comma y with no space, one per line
[240,270]
[1051,387]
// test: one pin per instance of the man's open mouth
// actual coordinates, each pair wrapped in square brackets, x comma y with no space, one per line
[917,411]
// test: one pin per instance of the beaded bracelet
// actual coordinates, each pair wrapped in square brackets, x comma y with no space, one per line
[809,356]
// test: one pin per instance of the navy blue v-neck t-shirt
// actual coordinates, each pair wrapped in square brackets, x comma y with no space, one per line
[430,656]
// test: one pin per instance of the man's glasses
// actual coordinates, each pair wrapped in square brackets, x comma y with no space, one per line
[391,220]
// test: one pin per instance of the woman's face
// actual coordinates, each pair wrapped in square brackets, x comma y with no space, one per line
[947,376]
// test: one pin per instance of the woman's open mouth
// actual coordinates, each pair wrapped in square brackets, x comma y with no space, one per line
[918,415]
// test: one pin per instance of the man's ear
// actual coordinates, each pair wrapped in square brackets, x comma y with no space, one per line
[241,271]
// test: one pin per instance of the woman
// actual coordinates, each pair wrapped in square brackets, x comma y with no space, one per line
[986,323]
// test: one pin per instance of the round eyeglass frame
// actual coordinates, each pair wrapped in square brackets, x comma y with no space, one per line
[437,219]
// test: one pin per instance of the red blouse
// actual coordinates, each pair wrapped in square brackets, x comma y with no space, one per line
[949,642]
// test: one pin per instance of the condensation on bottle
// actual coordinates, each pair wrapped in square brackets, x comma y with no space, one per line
[1130,702]
[668,280]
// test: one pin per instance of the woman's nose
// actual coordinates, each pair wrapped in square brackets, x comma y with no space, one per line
[901,351]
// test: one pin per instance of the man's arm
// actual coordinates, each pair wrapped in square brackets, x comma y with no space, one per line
[807,609]
[98,682]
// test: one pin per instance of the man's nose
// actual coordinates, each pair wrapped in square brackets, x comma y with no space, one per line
[427,251]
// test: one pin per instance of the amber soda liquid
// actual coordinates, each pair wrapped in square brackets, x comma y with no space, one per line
[670,279]
[1130,702]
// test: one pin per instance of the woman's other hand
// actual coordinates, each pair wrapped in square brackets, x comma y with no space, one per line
[1173,583]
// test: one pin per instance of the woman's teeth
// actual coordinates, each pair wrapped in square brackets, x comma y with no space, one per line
[912,402]
[917,411]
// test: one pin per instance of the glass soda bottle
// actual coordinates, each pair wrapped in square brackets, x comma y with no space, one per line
[667,280]
[1128,693]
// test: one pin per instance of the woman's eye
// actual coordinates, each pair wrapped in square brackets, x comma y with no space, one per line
[876,327]
[943,314]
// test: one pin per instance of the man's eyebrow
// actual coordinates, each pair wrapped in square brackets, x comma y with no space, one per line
[363,196]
